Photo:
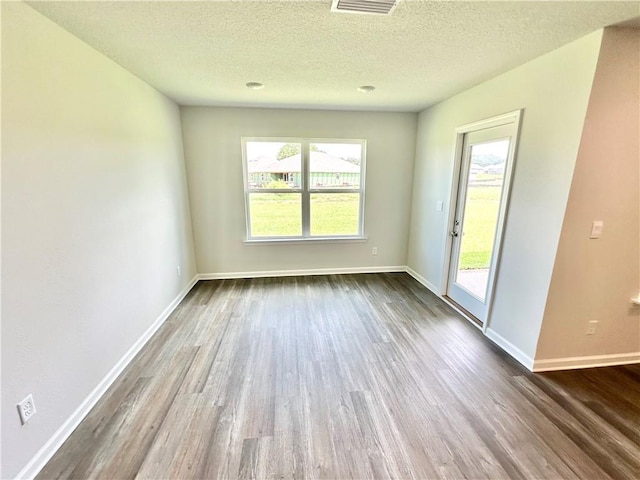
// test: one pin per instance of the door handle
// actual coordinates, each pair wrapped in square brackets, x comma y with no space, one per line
[454,233]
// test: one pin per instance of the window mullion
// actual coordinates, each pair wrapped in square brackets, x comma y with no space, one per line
[306,200]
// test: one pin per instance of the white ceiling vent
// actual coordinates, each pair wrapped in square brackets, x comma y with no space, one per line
[373,7]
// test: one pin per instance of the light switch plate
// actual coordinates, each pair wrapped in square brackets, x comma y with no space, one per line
[596,229]
[439,205]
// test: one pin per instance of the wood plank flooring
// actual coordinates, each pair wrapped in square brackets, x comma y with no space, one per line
[346,376]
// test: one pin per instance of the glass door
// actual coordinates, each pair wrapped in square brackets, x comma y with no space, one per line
[487,157]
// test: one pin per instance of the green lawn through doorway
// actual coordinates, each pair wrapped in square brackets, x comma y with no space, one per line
[480,222]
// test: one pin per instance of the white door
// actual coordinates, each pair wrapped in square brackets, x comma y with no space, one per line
[485,170]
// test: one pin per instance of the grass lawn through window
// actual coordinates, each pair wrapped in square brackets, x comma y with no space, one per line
[279,214]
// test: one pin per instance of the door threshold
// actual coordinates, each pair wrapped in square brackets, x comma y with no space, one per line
[464,312]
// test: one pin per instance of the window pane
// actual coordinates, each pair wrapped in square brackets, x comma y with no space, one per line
[273,165]
[335,165]
[481,209]
[275,214]
[335,213]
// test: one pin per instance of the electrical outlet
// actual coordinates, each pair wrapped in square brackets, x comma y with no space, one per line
[178,272]
[591,328]
[26,409]
[374,251]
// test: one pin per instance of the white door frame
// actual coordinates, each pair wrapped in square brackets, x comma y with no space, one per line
[515,118]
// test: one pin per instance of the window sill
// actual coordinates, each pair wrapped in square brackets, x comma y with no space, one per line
[292,241]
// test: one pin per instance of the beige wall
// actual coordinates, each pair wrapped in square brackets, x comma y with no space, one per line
[214,167]
[594,279]
[553,90]
[95,220]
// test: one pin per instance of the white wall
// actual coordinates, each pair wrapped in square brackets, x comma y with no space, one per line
[554,91]
[594,279]
[214,168]
[95,219]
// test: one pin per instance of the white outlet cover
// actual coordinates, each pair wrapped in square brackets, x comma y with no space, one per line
[26,409]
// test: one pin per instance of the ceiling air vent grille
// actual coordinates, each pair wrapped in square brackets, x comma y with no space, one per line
[374,7]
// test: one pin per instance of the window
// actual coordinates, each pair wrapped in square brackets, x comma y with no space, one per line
[300,189]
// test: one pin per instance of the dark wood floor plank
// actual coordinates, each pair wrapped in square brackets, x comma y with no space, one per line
[181,442]
[121,448]
[612,451]
[346,376]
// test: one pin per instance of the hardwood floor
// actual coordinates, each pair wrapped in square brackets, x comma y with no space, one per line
[349,376]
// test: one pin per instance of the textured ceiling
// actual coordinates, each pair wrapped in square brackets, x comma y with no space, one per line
[203,53]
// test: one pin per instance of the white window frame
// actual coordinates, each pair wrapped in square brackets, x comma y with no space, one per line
[305,191]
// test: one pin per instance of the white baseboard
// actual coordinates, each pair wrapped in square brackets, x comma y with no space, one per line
[47,451]
[302,272]
[430,286]
[570,363]
[510,348]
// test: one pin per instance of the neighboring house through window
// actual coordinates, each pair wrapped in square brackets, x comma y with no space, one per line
[301,189]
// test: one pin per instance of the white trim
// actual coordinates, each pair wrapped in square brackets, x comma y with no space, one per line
[570,363]
[504,214]
[510,348]
[491,122]
[52,445]
[430,286]
[298,240]
[305,183]
[302,272]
